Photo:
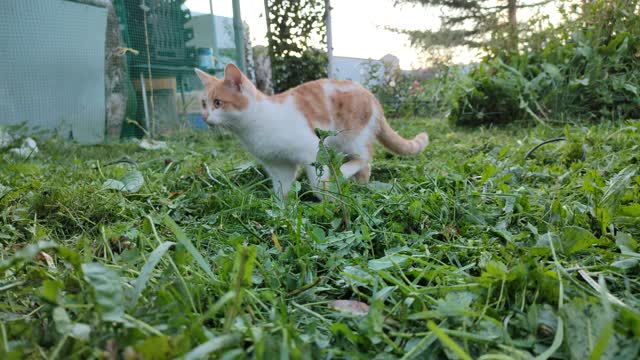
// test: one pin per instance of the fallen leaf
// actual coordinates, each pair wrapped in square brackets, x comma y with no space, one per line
[27,148]
[274,237]
[351,307]
[131,182]
[149,144]
[46,258]
[174,194]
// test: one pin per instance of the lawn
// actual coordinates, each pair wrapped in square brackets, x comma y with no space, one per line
[466,251]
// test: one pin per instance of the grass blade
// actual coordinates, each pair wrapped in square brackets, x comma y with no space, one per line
[147,269]
[557,341]
[184,241]
[420,348]
[213,345]
[602,342]
[447,341]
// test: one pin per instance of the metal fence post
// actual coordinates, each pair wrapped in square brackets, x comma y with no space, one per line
[238,31]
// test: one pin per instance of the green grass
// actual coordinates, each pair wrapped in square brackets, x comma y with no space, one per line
[467,251]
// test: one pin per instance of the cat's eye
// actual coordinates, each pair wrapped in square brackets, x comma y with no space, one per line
[204,104]
[217,103]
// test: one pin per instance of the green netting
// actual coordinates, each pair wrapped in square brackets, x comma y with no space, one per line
[157,31]
[79,67]
[52,61]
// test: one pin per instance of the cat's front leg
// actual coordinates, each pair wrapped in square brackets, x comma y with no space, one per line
[318,179]
[282,174]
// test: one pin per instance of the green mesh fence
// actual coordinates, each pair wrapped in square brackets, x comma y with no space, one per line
[96,70]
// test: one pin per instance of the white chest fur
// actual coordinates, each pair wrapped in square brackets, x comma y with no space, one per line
[278,132]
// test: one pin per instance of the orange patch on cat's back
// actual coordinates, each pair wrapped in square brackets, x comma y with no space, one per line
[327,104]
[351,106]
[281,97]
[311,101]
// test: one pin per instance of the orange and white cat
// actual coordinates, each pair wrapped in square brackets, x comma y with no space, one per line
[279,130]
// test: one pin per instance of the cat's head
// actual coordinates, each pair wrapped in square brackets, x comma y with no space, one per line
[225,100]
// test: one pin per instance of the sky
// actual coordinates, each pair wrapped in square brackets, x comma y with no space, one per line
[358,27]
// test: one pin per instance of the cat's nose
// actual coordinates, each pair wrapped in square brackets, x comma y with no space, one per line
[205,115]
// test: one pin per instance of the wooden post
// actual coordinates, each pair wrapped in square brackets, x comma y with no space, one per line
[330,63]
[512,8]
[269,54]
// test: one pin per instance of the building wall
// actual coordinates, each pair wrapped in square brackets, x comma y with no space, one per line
[355,69]
[203,33]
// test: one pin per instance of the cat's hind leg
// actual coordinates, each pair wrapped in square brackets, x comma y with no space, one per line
[318,179]
[363,175]
[360,166]
[353,167]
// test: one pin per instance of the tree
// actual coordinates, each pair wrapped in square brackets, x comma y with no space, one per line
[295,31]
[472,23]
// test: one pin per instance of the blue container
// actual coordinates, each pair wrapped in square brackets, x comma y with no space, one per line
[205,58]
[197,121]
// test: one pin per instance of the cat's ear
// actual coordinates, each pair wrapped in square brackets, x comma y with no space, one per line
[204,77]
[233,76]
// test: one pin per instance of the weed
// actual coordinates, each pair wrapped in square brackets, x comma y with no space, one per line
[466,251]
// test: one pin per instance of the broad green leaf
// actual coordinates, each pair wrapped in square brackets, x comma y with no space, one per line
[575,238]
[629,256]
[357,276]
[107,289]
[213,345]
[131,182]
[583,82]
[617,186]
[631,88]
[488,172]
[585,51]
[113,184]
[4,190]
[455,303]
[632,210]
[384,293]
[580,315]
[387,262]
[184,241]
[342,330]
[381,187]
[154,347]
[147,270]
[613,44]
[65,326]
[552,70]
[501,230]
[626,243]
[50,290]
[417,350]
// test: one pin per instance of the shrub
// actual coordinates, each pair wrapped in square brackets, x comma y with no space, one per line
[405,94]
[589,68]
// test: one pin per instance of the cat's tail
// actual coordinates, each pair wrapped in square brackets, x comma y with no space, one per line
[391,140]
